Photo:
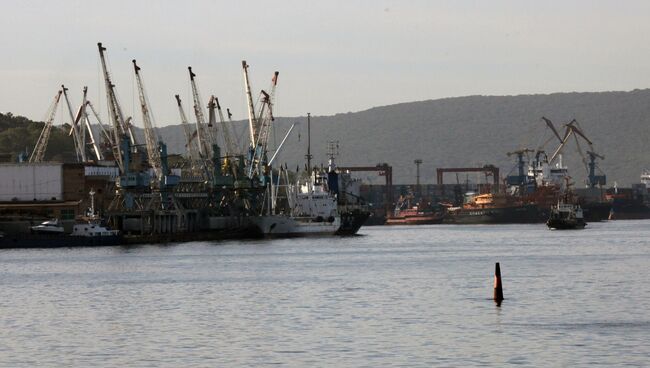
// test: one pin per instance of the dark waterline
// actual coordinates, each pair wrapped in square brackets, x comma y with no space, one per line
[396,296]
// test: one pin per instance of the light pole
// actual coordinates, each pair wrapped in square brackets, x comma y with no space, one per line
[417,163]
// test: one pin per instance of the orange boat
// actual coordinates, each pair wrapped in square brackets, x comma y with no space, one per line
[406,214]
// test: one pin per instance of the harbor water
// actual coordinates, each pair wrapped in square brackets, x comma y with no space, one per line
[413,296]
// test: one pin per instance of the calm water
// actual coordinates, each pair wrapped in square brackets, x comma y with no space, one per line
[408,296]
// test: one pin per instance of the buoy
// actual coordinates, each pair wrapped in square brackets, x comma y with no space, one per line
[498,290]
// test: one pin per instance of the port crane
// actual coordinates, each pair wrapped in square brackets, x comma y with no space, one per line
[259,124]
[573,129]
[190,141]
[151,139]
[122,128]
[79,143]
[41,145]
[203,132]
[231,146]
[82,121]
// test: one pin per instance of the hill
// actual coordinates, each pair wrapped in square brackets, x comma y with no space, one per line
[450,132]
[474,131]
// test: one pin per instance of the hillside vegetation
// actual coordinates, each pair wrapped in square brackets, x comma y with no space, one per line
[19,135]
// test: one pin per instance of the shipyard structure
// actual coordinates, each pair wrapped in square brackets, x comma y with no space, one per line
[221,187]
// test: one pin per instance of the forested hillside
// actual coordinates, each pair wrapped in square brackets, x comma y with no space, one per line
[19,134]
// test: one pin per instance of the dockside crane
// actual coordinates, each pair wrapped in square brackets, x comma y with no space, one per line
[41,145]
[151,139]
[107,137]
[231,146]
[122,129]
[252,119]
[82,121]
[259,125]
[204,133]
[190,136]
[79,144]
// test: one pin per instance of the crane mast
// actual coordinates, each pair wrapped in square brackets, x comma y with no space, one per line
[189,135]
[105,133]
[79,145]
[120,126]
[264,120]
[252,120]
[149,133]
[227,136]
[83,121]
[41,145]
[203,135]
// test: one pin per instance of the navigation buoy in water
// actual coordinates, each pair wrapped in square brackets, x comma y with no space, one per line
[498,290]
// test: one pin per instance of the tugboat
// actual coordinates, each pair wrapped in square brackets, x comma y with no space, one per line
[566,215]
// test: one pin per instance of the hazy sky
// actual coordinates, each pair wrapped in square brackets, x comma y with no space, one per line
[333,56]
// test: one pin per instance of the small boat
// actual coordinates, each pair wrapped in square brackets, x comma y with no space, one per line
[407,213]
[566,216]
[88,231]
[48,227]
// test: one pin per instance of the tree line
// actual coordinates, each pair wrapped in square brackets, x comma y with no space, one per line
[18,136]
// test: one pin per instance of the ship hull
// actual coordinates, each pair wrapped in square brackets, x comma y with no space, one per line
[351,221]
[286,226]
[501,215]
[27,240]
[559,224]
[415,220]
[596,211]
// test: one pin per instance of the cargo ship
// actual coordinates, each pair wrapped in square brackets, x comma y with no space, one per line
[493,208]
[630,203]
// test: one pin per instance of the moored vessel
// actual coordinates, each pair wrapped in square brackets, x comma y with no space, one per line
[493,208]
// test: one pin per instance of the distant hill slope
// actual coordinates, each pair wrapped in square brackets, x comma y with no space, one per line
[473,131]
[450,132]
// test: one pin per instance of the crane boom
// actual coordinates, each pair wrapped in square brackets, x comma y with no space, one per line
[203,135]
[189,135]
[85,127]
[74,130]
[149,133]
[120,127]
[41,145]
[252,120]
[227,136]
[105,132]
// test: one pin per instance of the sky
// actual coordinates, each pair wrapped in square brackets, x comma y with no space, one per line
[333,56]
